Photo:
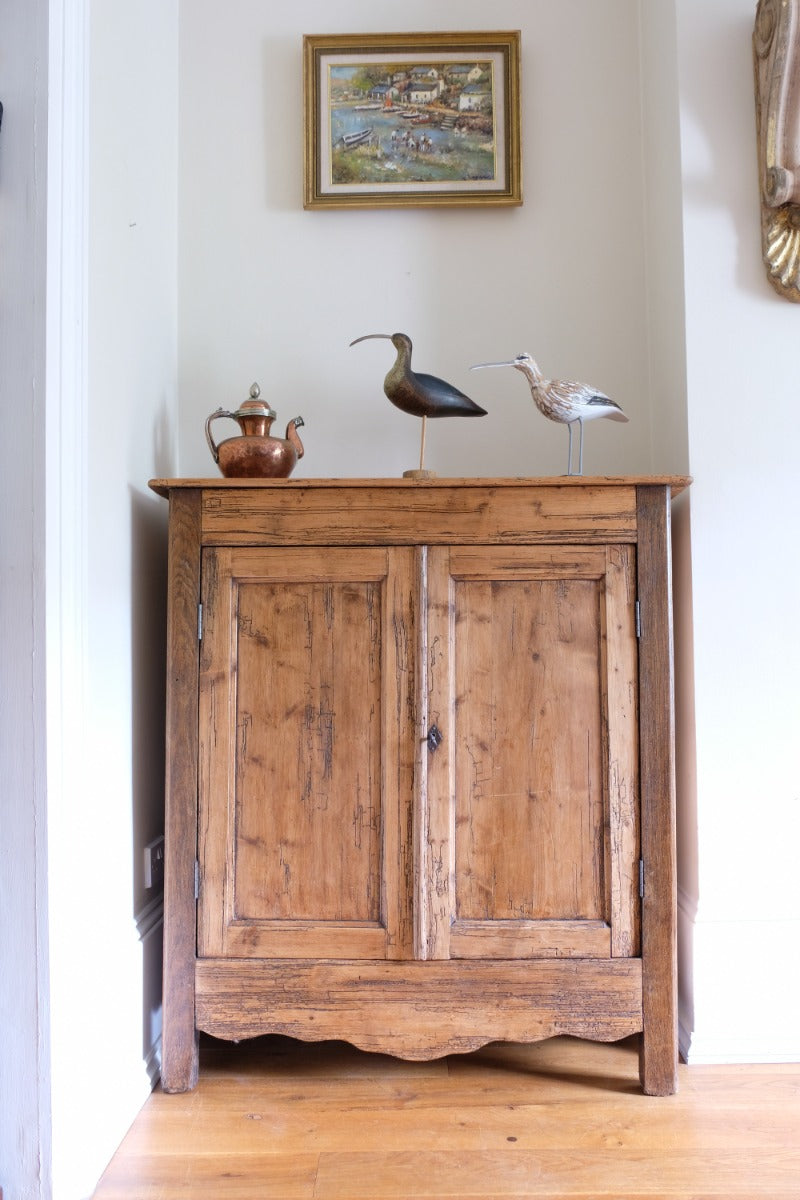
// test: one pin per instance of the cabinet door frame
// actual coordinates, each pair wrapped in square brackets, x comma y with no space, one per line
[221,930]
[441,934]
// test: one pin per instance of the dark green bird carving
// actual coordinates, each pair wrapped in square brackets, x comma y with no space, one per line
[421,395]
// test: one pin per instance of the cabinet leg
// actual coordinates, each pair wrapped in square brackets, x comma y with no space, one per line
[180,1041]
[179,1060]
[658,1063]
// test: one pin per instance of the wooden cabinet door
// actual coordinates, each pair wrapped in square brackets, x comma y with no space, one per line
[307,679]
[530,845]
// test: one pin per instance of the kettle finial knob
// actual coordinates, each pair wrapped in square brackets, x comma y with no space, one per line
[255,392]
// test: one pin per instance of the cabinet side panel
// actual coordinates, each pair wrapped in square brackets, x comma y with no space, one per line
[179,1039]
[657,723]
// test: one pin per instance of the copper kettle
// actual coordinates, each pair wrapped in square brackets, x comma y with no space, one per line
[254,454]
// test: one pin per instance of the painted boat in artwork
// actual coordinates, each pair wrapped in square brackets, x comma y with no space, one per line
[356,139]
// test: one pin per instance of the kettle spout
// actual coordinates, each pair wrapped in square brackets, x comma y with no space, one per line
[293,437]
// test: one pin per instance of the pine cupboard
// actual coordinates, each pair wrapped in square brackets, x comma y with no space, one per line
[420,766]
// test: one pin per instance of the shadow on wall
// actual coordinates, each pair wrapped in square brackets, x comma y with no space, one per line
[148,673]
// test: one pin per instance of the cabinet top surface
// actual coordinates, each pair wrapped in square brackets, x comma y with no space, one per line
[676,483]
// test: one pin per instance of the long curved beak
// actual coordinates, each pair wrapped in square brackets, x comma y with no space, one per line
[388,337]
[480,366]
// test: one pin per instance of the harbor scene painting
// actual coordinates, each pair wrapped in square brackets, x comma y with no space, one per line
[412,123]
[415,124]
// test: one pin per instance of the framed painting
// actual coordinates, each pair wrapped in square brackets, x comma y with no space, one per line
[412,119]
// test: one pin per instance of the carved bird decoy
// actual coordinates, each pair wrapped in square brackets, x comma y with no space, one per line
[562,401]
[421,395]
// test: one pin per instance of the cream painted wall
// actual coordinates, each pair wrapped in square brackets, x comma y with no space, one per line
[24,1059]
[740,884]
[664,289]
[106,669]
[273,293]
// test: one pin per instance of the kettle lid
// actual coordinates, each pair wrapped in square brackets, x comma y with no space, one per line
[255,406]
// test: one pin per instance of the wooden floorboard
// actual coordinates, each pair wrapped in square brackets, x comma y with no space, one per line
[561,1118]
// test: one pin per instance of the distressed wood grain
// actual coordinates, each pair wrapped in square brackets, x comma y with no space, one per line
[179,1039]
[357,881]
[657,756]
[420,1010]
[621,747]
[445,515]
[306,781]
[531,654]
[562,1117]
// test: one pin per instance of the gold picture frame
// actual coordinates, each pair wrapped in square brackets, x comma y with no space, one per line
[412,119]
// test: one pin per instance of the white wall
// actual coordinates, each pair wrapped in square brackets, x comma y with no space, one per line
[663,295]
[24,1107]
[273,293]
[107,557]
[635,263]
[741,342]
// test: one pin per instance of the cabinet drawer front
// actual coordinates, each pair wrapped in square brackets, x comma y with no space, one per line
[303,770]
[533,798]
[405,513]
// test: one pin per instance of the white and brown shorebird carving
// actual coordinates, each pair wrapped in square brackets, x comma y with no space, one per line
[562,401]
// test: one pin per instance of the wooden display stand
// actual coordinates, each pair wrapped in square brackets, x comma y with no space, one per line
[420,776]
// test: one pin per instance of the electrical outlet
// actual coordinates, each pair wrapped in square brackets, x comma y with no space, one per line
[154,863]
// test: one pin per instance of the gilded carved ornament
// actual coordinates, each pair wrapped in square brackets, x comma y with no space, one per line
[776,59]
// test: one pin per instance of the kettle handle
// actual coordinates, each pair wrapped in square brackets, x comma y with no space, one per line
[212,445]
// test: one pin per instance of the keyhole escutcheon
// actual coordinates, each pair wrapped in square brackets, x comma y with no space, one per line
[435,737]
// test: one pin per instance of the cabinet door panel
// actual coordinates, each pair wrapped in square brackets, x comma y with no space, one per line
[306,774]
[532,806]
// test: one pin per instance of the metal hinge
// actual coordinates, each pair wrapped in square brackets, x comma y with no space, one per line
[196,879]
[641,878]
[637,617]
[199,622]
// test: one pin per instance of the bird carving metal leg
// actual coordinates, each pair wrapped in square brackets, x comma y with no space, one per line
[579,422]
[420,472]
